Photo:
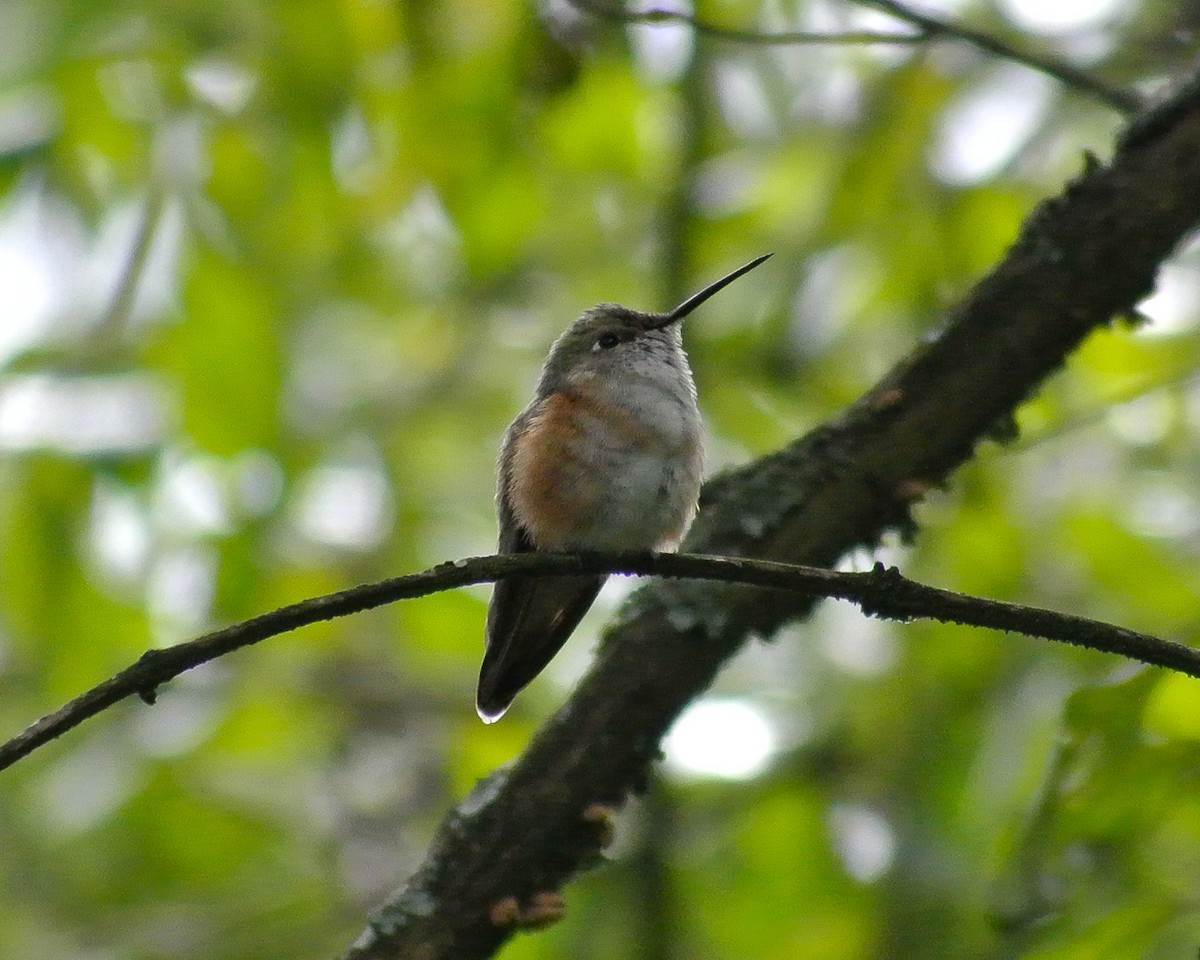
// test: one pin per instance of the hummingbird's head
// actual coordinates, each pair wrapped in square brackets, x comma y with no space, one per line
[610,340]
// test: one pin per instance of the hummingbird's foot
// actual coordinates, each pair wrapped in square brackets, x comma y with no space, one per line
[541,910]
[605,821]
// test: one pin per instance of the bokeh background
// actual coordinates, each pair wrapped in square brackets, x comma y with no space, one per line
[273,278]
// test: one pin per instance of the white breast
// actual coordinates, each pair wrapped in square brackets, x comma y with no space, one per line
[652,480]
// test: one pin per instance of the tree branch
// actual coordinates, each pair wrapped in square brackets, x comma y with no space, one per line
[1126,101]
[882,593]
[610,12]
[1082,258]
[120,306]
[929,28]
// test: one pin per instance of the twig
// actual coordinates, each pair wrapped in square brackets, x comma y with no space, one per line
[881,593]
[929,27]
[610,12]
[120,306]
[1126,101]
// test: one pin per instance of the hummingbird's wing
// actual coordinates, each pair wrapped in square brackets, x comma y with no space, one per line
[528,621]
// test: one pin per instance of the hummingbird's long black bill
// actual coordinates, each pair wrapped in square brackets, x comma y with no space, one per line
[692,302]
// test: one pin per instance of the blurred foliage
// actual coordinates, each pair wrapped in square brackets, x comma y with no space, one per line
[276,276]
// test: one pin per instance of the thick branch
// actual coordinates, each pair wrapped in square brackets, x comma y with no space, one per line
[1083,258]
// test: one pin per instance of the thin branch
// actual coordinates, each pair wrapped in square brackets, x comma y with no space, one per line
[610,12]
[881,593]
[1125,101]
[120,306]
[929,27]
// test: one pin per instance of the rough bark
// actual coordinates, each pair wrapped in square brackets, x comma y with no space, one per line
[1082,259]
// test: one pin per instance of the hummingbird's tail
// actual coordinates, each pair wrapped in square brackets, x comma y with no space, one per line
[528,622]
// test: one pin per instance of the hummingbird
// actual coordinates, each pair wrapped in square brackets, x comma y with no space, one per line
[607,456]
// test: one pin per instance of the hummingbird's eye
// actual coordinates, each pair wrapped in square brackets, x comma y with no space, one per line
[606,341]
